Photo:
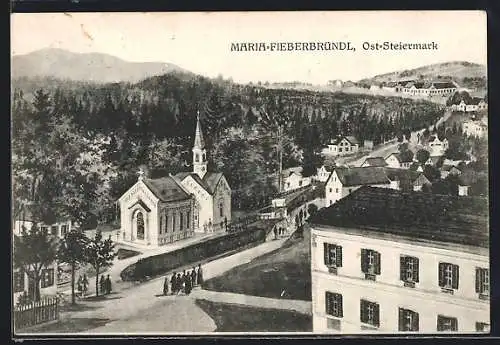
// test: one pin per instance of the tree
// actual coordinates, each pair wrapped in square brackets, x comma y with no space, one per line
[423,156]
[432,173]
[312,209]
[34,249]
[72,251]
[99,253]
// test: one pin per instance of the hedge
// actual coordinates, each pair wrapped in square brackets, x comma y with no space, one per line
[163,263]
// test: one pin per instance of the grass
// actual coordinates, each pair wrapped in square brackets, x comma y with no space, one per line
[236,318]
[283,273]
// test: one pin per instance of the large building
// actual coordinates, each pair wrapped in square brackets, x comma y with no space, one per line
[342,146]
[155,212]
[388,261]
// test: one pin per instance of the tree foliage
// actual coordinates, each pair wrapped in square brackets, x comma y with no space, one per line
[99,253]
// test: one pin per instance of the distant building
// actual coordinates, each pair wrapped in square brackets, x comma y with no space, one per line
[293,179]
[336,83]
[432,88]
[476,104]
[436,146]
[475,128]
[383,261]
[399,161]
[449,170]
[343,146]
[323,173]
[374,162]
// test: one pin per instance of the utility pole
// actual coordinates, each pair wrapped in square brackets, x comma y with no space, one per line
[280,158]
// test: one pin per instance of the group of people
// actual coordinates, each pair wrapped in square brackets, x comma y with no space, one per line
[183,283]
[278,232]
[82,285]
[105,285]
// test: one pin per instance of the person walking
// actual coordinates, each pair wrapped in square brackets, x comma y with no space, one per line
[79,286]
[187,284]
[108,285]
[165,286]
[102,285]
[85,283]
[173,283]
[183,280]
[179,283]
[199,278]
[193,277]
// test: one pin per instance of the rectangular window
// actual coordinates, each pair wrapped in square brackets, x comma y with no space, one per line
[161,224]
[19,281]
[334,304]
[369,312]
[64,230]
[181,222]
[188,219]
[44,228]
[47,278]
[173,222]
[409,270]
[166,223]
[53,230]
[330,190]
[332,255]
[370,263]
[448,276]
[483,282]
[447,324]
[408,320]
[336,190]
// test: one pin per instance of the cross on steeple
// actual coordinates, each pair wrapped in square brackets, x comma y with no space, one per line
[141,174]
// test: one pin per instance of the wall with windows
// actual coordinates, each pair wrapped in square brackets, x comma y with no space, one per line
[175,222]
[428,287]
[48,282]
[58,229]
[334,190]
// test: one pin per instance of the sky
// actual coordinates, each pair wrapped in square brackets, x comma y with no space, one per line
[200,41]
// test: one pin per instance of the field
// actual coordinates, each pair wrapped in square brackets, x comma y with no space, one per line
[237,318]
[283,273]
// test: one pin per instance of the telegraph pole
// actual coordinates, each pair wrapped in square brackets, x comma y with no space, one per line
[280,158]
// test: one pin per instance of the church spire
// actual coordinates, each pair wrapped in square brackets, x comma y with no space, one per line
[199,152]
[198,138]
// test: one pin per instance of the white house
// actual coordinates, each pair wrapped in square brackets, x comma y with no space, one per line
[476,104]
[475,128]
[343,146]
[322,173]
[374,162]
[399,161]
[437,147]
[429,88]
[293,179]
[380,264]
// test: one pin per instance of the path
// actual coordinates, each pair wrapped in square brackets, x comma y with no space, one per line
[304,307]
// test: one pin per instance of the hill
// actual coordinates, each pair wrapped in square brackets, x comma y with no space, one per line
[465,73]
[92,67]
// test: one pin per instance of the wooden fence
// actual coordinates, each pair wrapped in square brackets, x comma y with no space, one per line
[34,313]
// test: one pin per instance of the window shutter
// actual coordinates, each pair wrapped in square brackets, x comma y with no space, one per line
[377,262]
[325,253]
[455,277]
[364,258]
[415,326]
[362,314]
[441,274]
[339,256]
[341,307]
[401,320]
[402,268]
[439,323]
[415,270]
[327,302]
[454,324]
[478,279]
[376,316]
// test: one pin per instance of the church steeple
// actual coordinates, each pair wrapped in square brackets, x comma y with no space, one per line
[199,152]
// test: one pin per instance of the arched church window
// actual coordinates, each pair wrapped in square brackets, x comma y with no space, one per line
[221,208]
[204,156]
[197,158]
[188,220]
[140,226]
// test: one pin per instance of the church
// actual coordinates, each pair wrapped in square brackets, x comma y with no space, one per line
[154,212]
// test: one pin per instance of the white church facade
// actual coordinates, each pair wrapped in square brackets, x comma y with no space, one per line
[155,212]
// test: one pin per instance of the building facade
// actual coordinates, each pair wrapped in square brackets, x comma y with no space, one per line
[343,146]
[377,274]
[475,129]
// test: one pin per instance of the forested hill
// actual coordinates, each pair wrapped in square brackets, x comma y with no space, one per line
[151,123]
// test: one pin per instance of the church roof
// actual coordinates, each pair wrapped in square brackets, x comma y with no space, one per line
[198,136]
[166,189]
[209,182]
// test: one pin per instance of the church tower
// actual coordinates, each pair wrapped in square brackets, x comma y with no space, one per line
[199,151]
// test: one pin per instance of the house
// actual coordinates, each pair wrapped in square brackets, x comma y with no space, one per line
[374,162]
[293,179]
[433,160]
[343,146]
[399,161]
[475,128]
[437,147]
[384,261]
[323,173]
[406,180]
[429,88]
[26,219]
[449,170]
[475,104]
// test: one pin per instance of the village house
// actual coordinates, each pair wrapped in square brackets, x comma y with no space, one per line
[343,146]
[397,160]
[433,160]
[375,271]
[374,162]
[436,147]
[447,169]
[475,128]
[476,104]
[293,179]
[323,173]
[155,212]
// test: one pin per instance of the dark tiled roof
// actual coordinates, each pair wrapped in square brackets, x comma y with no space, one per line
[425,216]
[209,181]
[166,189]
[362,176]
[375,161]
[475,101]
[402,158]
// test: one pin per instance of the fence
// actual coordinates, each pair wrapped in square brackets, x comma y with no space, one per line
[34,313]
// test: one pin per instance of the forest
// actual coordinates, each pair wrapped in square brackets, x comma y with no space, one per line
[76,147]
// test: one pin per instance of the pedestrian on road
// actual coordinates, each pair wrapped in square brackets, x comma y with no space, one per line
[183,280]
[275,230]
[193,277]
[199,279]
[179,283]
[173,283]
[85,284]
[165,286]
[79,287]
[102,284]
[187,284]
[108,285]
